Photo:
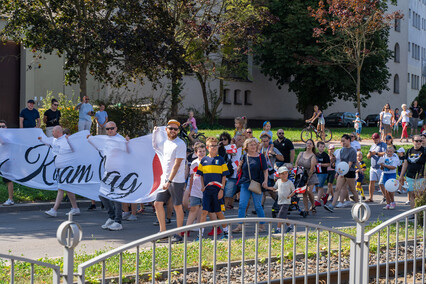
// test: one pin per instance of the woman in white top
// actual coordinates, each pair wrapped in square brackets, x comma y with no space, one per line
[404,118]
[386,118]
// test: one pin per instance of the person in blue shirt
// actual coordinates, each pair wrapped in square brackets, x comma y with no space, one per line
[29,116]
[213,171]
[101,118]
[85,113]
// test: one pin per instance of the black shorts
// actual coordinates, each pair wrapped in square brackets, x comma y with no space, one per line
[283,213]
[175,191]
[350,174]
[5,180]
[330,176]
[210,201]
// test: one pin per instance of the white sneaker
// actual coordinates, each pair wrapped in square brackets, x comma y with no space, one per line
[407,202]
[125,215]
[347,203]
[8,202]
[107,224]
[132,218]
[340,205]
[115,227]
[52,212]
[74,211]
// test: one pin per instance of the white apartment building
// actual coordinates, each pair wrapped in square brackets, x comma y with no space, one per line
[258,99]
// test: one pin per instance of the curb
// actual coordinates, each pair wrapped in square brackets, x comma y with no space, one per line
[43,206]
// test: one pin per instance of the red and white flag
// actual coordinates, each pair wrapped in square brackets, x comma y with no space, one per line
[231,149]
[214,183]
[319,168]
[195,169]
[301,189]
[235,164]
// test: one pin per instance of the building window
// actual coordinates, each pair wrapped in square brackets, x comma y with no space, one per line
[397,24]
[396,52]
[396,84]
[408,80]
[227,97]
[247,98]
[237,97]
[409,46]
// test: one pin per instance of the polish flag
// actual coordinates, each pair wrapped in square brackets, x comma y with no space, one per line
[231,149]
[319,168]
[195,169]
[214,183]
[235,164]
[300,189]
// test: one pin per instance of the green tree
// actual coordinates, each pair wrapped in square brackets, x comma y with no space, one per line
[355,25]
[291,55]
[116,41]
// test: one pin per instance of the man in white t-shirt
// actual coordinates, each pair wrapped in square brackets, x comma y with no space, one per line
[174,153]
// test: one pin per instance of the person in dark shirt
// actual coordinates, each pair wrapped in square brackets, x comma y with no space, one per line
[29,116]
[323,163]
[416,111]
[51,117]
[286,148]
[414,167]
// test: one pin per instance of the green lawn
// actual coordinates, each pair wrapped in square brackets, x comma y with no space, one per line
[294,133]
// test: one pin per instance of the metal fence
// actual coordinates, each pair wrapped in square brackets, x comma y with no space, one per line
[391,252]
[56,269]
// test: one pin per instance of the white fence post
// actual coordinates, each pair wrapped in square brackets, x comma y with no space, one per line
[359,249]
[69,234]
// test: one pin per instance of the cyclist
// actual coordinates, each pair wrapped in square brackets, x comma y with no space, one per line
[321,121]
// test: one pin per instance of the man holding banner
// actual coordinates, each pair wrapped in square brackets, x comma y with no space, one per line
[173,152]
[8,183]
[113,207]
[60,146]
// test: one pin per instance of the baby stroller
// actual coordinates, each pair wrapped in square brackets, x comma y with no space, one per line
[297,177]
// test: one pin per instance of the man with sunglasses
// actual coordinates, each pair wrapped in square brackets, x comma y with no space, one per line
[8,183]
[51,117]
[85,114]
[174,154]
[414,167]
[286,148]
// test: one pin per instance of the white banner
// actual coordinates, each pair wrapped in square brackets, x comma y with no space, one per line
[132,169]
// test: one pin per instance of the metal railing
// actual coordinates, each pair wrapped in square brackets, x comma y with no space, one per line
[56,269]
[301,231]
[408,224]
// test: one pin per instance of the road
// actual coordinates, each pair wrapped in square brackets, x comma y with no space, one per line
[33,234]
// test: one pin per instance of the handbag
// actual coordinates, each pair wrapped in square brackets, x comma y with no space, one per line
[254,185]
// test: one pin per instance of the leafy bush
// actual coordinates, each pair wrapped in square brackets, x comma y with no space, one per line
[69,115]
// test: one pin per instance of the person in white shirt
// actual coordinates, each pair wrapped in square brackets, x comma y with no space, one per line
[231,184]
[174,153]
[60,146]
[388,163]
[354,143]
[405,119]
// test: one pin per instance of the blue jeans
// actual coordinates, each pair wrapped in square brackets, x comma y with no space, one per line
[113,208]
[244,199]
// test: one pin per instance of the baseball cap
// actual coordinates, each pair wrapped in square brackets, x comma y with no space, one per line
[388,137]
[282,169]
[357,113]
[375,136]
[173,121]
[401,150]
[31,102]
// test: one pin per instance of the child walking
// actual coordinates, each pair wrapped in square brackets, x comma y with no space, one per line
[285,190]
[360,169]
[389,162]
[213,171]
[358,126]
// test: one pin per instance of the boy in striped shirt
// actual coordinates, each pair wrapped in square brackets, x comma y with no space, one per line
[213,171]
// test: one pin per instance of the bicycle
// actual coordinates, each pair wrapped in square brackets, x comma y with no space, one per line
[197,137]
[306,133]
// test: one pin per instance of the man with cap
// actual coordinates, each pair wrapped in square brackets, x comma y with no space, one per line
[174,154]
[377,150]
[29,116]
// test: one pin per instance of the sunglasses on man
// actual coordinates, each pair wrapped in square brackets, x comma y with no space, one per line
[110,128]
[172,128]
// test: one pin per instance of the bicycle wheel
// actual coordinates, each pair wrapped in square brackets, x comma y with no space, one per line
[327,135]
[306,134]
[200,138]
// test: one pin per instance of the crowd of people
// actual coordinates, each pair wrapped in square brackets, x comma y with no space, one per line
[207,179]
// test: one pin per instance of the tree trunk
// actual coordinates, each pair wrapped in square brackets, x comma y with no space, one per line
[83,79]
[203,86]
[175,101]
[217,102]
[358,89]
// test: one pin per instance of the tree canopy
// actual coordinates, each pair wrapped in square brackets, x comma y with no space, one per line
[292,55]
[116,41]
